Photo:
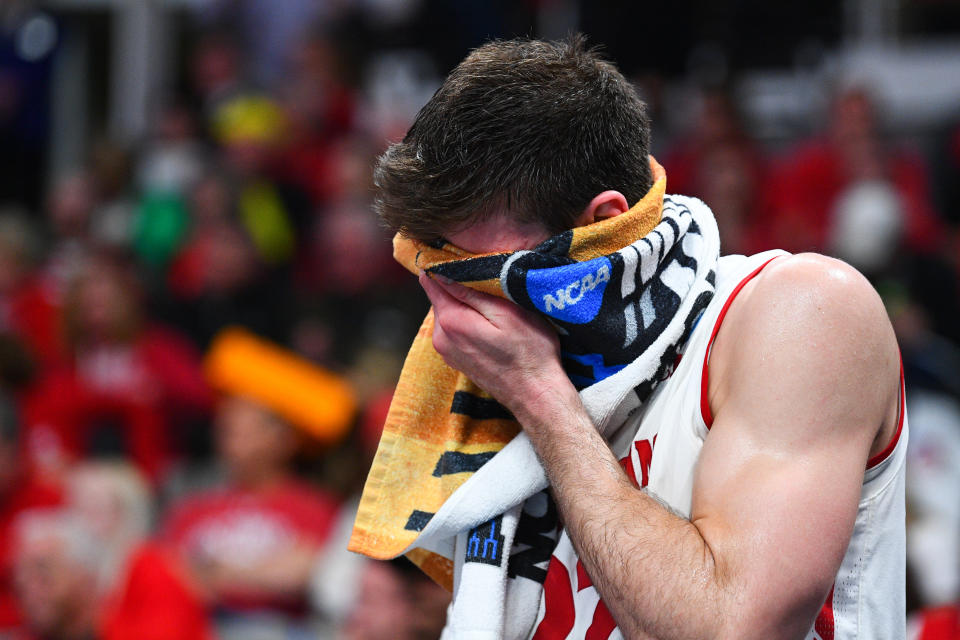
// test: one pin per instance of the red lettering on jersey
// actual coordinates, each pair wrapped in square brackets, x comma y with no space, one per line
[559,614]
[602,625]
[627,463]
[645,454]
[824,624]
[583,578]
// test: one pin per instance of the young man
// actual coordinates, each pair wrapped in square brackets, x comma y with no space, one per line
[768,427]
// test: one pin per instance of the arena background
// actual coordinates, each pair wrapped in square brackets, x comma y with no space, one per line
[171,169]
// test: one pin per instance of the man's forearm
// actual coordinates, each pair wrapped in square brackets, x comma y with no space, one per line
[653,569]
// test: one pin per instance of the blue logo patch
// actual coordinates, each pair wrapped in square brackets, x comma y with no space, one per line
[485,544]
[571,293]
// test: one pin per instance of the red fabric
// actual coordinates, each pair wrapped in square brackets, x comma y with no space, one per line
[155,602]
[145,388]
[234,527]
[602,624]
[941,623]
[33,314]
[559,615]
[824,624]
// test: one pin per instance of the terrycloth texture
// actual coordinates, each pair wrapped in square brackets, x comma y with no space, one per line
[624,295]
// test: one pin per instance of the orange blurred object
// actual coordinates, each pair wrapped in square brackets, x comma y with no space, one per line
[312,399]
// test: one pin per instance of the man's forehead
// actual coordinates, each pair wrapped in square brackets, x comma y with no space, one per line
[498,233]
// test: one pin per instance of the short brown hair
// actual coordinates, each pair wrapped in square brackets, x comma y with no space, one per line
[537,127]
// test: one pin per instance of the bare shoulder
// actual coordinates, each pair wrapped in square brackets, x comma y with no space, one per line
[808,337]
[825,301]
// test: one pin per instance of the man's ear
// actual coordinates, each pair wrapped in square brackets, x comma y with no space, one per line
[604,205]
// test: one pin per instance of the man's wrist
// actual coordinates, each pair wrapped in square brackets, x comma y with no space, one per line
[546,405]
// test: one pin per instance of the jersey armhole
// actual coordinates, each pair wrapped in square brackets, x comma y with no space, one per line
[705,412]
[901,414]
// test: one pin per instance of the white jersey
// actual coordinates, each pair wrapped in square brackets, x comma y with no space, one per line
[659,449]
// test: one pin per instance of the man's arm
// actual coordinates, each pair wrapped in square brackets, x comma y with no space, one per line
[803,376]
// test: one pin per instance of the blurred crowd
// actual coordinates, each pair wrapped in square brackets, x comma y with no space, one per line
[141,499]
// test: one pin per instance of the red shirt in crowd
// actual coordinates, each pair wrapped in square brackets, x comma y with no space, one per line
[236,528]
[805,188]
[142,389]
[154,601]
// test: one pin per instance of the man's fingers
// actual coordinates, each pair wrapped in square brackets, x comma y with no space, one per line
[439,297]
[485,303]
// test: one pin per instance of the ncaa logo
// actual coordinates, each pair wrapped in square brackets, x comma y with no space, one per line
[572,293]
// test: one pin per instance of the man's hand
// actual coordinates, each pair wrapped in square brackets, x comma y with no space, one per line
[507,351]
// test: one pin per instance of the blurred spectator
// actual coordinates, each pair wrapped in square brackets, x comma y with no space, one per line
[170,165]
[250,128]
[253,542]
[216,69]
[808,194]
[395,601]
[111,224]
[70,204]
[172,160]
[719,164]
[28,308]
[319,107]
[348,253]
[130,386]
[56,567]
[19,493]
[144,592]
[266,32]
[217,280]
[85,570]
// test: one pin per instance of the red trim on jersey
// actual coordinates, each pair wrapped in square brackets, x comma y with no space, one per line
[824,624]
[704,381]
[883,455]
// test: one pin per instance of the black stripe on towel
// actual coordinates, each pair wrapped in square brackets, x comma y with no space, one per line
[418,520]
[473,269]
[478,408]
[457,462]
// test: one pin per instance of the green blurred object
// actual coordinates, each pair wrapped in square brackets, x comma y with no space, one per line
[160,228]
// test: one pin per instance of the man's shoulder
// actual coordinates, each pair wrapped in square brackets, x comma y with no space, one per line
[808,333]
[812,294]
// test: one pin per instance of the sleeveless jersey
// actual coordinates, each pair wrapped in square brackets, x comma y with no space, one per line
[659,448]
